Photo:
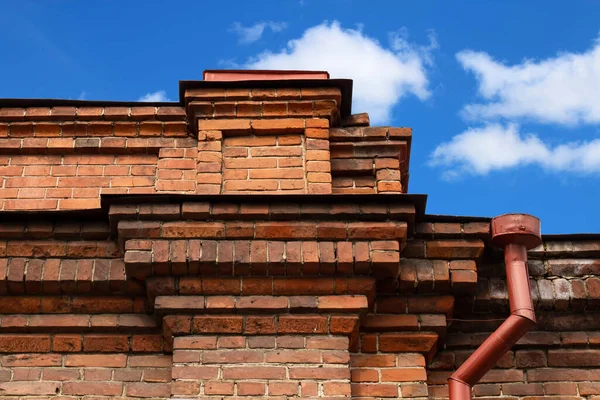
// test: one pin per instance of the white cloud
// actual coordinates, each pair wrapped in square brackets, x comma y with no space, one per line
[562,89]
[253,33]
[478,151]
[158,96]
[382,75]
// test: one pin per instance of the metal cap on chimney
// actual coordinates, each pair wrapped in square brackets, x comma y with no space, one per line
[261,75]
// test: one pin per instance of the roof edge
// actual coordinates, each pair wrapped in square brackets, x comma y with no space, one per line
[418,200]
[24,102]
[345,86]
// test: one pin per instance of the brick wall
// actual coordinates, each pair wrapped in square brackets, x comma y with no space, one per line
[67,182]
[254,140]
[387,374]
[233,366]
[264,163]
[68,157]
[193,295]
[542,364]
[559,359]
[243,274]
[369,159]
[264,156]
[83,375]
[78,346]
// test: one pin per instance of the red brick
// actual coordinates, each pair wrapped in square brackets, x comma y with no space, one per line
[332,373]
[285,230]
[67,343]
[89,388]
[283,388]
[562,374]
[260,342]
[587,388]
[563,388]
[25,304]
[185,388]
[302,324]
[93,360]
[403,375]
[12,114]
[260,325]
[374,390]
[25,360]
[256,372]
[218,388]
[250,389]
[61,374]
[450,249]
[293,357]
[343,325]
[147,343]
[106,343]
[150,361]
[97,374]
[373,360]
[376,230]
[217,324]
[257,185]
[156,390]
[411,360]
[26,388]
[346,303]
[573,358]
[407,342]
[290,342]
[332,343]
[24,343]
[196,342]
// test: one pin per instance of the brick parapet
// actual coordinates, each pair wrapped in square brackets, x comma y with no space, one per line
[68,157]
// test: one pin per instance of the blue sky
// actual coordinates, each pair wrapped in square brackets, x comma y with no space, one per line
[502,96]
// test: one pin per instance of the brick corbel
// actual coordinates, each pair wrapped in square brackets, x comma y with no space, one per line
[264,103]
[260,315]
[239,211]
[384,160]
[145,258]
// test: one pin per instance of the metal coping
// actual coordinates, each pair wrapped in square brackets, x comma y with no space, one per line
[263,72]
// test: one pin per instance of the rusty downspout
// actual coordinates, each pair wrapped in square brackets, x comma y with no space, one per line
[517,233]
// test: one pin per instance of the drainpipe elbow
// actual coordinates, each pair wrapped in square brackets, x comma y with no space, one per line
[458,389]
[527,314]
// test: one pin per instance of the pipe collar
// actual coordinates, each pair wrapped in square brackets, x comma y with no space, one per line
[522,229]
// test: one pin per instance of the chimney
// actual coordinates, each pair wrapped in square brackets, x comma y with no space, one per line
[289,132]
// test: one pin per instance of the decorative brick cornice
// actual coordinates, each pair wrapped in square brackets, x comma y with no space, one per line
[341,304]
[243,257]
